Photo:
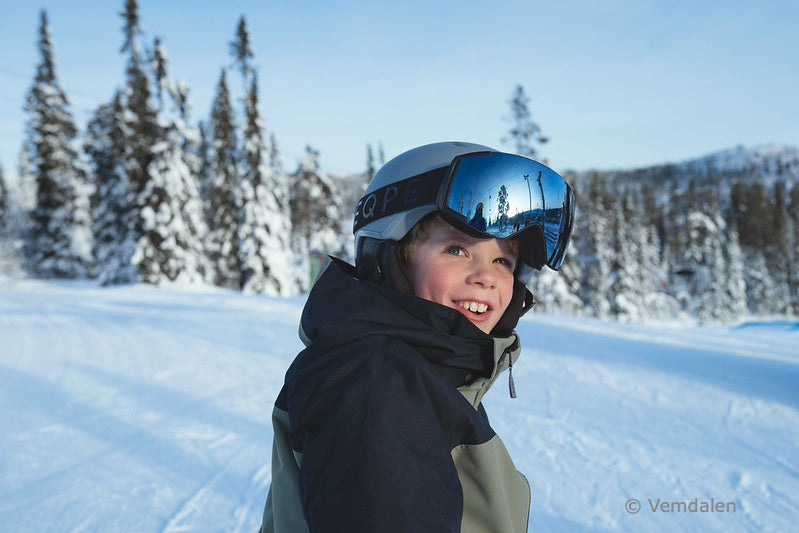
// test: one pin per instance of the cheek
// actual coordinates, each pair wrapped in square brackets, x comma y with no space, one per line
[429,282]
[507,290]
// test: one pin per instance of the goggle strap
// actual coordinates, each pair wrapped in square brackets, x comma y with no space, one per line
[398,197]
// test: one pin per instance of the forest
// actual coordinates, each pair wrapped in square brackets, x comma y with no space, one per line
[146,193]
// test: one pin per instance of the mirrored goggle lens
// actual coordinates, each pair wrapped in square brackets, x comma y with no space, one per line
[502,195]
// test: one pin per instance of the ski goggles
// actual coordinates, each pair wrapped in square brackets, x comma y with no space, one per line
[488,195]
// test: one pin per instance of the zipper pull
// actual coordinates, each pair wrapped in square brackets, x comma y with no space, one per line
[511,386]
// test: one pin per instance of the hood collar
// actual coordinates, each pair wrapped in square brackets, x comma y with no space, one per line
[341,309]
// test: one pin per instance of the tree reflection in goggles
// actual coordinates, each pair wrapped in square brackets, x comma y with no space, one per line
[500,195]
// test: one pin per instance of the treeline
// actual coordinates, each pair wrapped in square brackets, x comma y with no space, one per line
[145,193]
[714,239]
[151,196]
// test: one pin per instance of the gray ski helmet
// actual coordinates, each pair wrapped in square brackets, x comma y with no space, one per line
[414,162]
[411,163]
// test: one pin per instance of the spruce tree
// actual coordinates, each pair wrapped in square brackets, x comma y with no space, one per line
[370,164]
[264,223]
[779,248]
[756,240]
[242,52]
[625,291]
[173,228]
[315,215]
[221,205]
[5,204]
[141,127]
[158,65]
[732,278]
[593,229]
[60,241]
[793,257]
[10,260]
[112,200]
[170,246]
[524,132]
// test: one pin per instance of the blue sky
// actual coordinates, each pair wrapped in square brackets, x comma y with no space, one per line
[614,84]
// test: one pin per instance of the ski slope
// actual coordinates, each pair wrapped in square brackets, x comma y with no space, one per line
[135,409]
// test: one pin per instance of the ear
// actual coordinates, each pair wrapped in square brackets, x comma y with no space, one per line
[381,262]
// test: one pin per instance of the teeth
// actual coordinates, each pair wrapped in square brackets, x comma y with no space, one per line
[474,307]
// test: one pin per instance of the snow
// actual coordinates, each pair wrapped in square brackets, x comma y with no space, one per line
[136,409]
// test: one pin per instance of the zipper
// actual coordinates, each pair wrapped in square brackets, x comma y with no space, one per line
[511,385]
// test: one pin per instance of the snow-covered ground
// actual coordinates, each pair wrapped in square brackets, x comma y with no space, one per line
[134,409]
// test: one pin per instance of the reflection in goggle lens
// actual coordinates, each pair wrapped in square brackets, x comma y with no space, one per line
[501,195]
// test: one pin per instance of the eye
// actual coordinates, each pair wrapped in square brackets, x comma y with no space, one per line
[505,261]
[454,250]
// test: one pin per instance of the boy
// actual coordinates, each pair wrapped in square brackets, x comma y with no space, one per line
[379,426]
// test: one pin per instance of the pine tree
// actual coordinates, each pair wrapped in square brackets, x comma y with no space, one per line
[370,163]
[242,52]
[274,155]
[761,290]
[222,210]
[779,248]
[170,247]
[381,155]
[524,132]
[10,260]
[141,127]
[158,65]
[60,244]
[5,204]
[793,257]
[26,178]
[592,226]
[265,226]
[625,291]
[315,215]
[732,278]
[112,201]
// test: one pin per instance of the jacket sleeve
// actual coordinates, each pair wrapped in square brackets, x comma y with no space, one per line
[374,424]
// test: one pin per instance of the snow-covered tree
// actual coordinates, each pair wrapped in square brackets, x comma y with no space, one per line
[243,55]
[315,215]
[5,204]
[629,283]
[113,198]
[370,164]
[732,277]
[222,183]
[779,247]
[524,132]
[26,178]
[141,115]
[158,66]
[793,257]
[593,230]
[171,244]
[10,246]
[265,225]
[170,247]
[60,241]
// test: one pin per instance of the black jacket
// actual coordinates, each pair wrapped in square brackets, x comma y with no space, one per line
[379,425]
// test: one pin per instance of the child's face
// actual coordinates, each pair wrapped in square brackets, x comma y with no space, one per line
[473,276]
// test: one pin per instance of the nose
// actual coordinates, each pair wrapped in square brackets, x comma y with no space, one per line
[481,275]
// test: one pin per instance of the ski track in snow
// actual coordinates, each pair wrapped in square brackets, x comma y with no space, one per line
[133,409]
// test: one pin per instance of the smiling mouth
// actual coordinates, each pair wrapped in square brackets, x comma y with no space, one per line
[474,307]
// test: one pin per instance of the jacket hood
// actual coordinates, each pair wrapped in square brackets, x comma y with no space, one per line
[341,309]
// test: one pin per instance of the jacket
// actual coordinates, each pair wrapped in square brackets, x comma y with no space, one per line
[379,426]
